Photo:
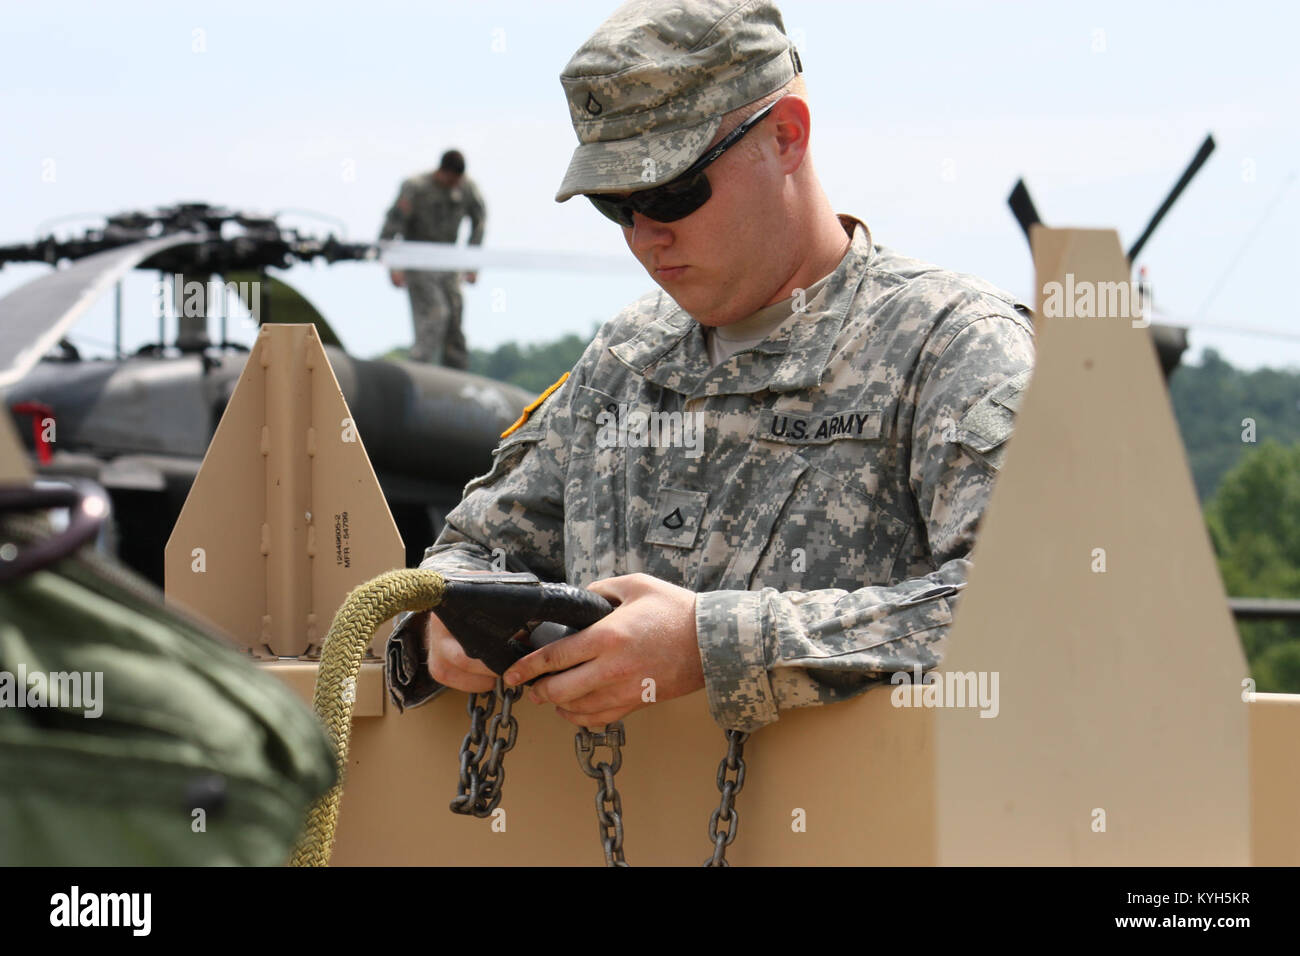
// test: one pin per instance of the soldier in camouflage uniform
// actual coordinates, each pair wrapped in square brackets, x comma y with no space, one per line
[430,208]
[853,407]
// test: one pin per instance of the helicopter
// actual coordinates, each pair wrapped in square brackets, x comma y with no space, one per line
[139,424]
[1169,339]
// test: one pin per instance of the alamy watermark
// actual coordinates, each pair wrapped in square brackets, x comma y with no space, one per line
[68,690]
[76,908]
[975,689]
[1095,300]
[623,428]
[195,299]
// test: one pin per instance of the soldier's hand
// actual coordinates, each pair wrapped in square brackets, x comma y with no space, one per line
[645,651]
[471,277]
[450,665]
[397,278]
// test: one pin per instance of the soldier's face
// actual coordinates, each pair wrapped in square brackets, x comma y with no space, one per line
[727,259]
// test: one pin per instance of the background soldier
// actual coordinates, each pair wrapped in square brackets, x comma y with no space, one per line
[430,208]
[855,406]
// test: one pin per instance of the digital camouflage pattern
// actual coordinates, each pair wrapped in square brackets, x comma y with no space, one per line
[426,211]
[826,527]
[647,91]
[436,308]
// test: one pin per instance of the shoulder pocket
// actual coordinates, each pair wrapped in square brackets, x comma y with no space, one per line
[596,416]
[990,421]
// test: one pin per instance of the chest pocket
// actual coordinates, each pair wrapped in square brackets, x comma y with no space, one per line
[829,535]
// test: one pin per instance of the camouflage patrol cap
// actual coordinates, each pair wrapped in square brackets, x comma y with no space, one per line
[647,91]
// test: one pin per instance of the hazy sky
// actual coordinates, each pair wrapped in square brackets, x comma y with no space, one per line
[924,114]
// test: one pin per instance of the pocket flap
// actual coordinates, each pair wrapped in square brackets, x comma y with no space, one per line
[990,420]
[589,402]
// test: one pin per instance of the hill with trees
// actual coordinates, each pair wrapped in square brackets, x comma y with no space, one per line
[1215,403]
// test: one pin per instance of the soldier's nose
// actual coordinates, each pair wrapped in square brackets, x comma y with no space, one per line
[645,234]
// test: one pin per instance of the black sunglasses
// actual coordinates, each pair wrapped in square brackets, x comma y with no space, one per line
[681,196]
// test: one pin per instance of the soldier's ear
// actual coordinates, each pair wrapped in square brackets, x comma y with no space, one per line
[792,126]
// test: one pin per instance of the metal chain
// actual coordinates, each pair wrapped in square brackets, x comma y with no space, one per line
[479,789]
[726,813]
[609,805]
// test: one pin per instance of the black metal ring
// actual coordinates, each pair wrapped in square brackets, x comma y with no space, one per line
[87,506]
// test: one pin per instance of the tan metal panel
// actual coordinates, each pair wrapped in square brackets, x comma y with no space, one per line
[1275,779]
[286,513]
[13,460]
[861,772]
[353,537]
[1120,690]
[213,563]
[300,677]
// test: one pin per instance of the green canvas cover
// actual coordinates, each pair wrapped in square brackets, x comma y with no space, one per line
[168,746]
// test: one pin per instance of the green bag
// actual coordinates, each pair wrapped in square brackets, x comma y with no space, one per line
[131,735]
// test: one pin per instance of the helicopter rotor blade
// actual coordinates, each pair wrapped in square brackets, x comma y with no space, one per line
[1202,154]
[34,316]
[446,257]
[1022,207]
[283,304]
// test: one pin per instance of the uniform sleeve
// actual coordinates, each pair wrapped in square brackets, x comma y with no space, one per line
[398,220]
[766,651]
[515,513]
[510,519]
[477,213]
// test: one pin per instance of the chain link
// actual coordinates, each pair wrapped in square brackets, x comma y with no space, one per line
[728,787]
[609,804]
[483,750]
[482,773]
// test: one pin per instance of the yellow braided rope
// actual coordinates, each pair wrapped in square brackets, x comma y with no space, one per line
[365,608]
